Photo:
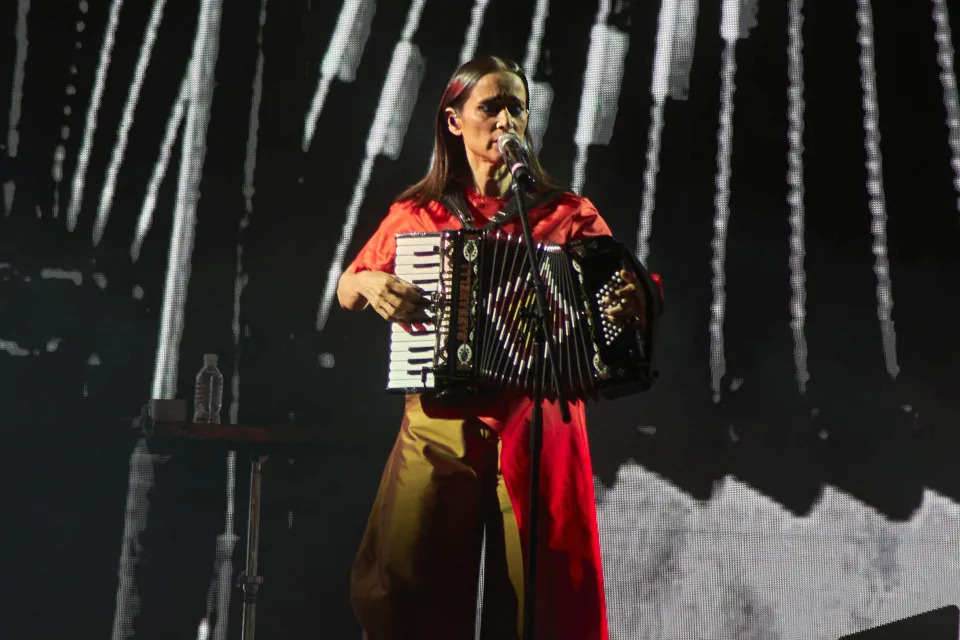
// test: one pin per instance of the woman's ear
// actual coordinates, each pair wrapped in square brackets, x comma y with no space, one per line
[453,121]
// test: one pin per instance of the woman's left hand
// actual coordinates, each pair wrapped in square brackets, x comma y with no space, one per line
[628,304]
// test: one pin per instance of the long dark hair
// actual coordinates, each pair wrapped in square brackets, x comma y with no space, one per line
[450,158]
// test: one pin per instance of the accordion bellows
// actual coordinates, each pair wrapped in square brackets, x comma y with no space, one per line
[478,331]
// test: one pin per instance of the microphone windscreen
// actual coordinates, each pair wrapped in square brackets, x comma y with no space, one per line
[508,139]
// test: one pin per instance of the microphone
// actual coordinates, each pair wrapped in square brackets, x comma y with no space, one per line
[515,155]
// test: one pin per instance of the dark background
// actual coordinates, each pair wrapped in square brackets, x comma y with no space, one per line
[66,422]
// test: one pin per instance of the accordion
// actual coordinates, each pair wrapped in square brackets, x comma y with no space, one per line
[478,330]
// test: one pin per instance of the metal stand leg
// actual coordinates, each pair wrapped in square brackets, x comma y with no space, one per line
[249,581]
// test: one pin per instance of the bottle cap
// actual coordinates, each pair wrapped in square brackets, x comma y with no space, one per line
[210,359]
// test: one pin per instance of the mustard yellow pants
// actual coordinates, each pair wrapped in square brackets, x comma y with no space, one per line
[415,575]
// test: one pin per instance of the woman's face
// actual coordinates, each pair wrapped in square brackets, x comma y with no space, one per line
[496,105]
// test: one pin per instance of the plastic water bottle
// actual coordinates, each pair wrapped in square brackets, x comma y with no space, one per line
[208,391]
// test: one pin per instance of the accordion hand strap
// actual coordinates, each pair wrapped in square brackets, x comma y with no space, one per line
[456,203]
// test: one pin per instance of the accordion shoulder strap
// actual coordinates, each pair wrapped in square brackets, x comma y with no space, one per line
[456,203]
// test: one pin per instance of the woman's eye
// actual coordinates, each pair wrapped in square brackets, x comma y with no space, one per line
[514,110]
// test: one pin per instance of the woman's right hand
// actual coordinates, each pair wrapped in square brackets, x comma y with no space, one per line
[396,300]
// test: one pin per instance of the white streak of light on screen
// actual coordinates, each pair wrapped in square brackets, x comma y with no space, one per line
[199,79]
[795,191]
[601,90]
[223,562]
[16,96]
[145,219]
[684,47]
[729,30]
[341,58]
[56,172]
[386,137]
[535,42]
[948,78]
[877,198]
[249,170]
[126,121]
[473,30]
[225,545]
[99,83]
[193,152]
[589,97]
[480,583]
[673,59]
[659,87]
[541,93]
[60,153]
[139,484]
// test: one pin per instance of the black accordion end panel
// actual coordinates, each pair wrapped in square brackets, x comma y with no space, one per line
[479,331]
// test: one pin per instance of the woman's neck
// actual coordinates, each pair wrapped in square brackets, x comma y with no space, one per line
[489,179]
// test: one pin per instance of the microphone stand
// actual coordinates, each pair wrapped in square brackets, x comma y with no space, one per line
[543,345]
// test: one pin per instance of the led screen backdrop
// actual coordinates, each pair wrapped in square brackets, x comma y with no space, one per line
[180,177]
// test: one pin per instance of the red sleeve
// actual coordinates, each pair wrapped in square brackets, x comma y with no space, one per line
[380,251]
[587,222]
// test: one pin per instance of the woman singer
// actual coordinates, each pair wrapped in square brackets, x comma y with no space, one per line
[455,469]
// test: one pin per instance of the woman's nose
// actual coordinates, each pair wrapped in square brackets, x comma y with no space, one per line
[503,119]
